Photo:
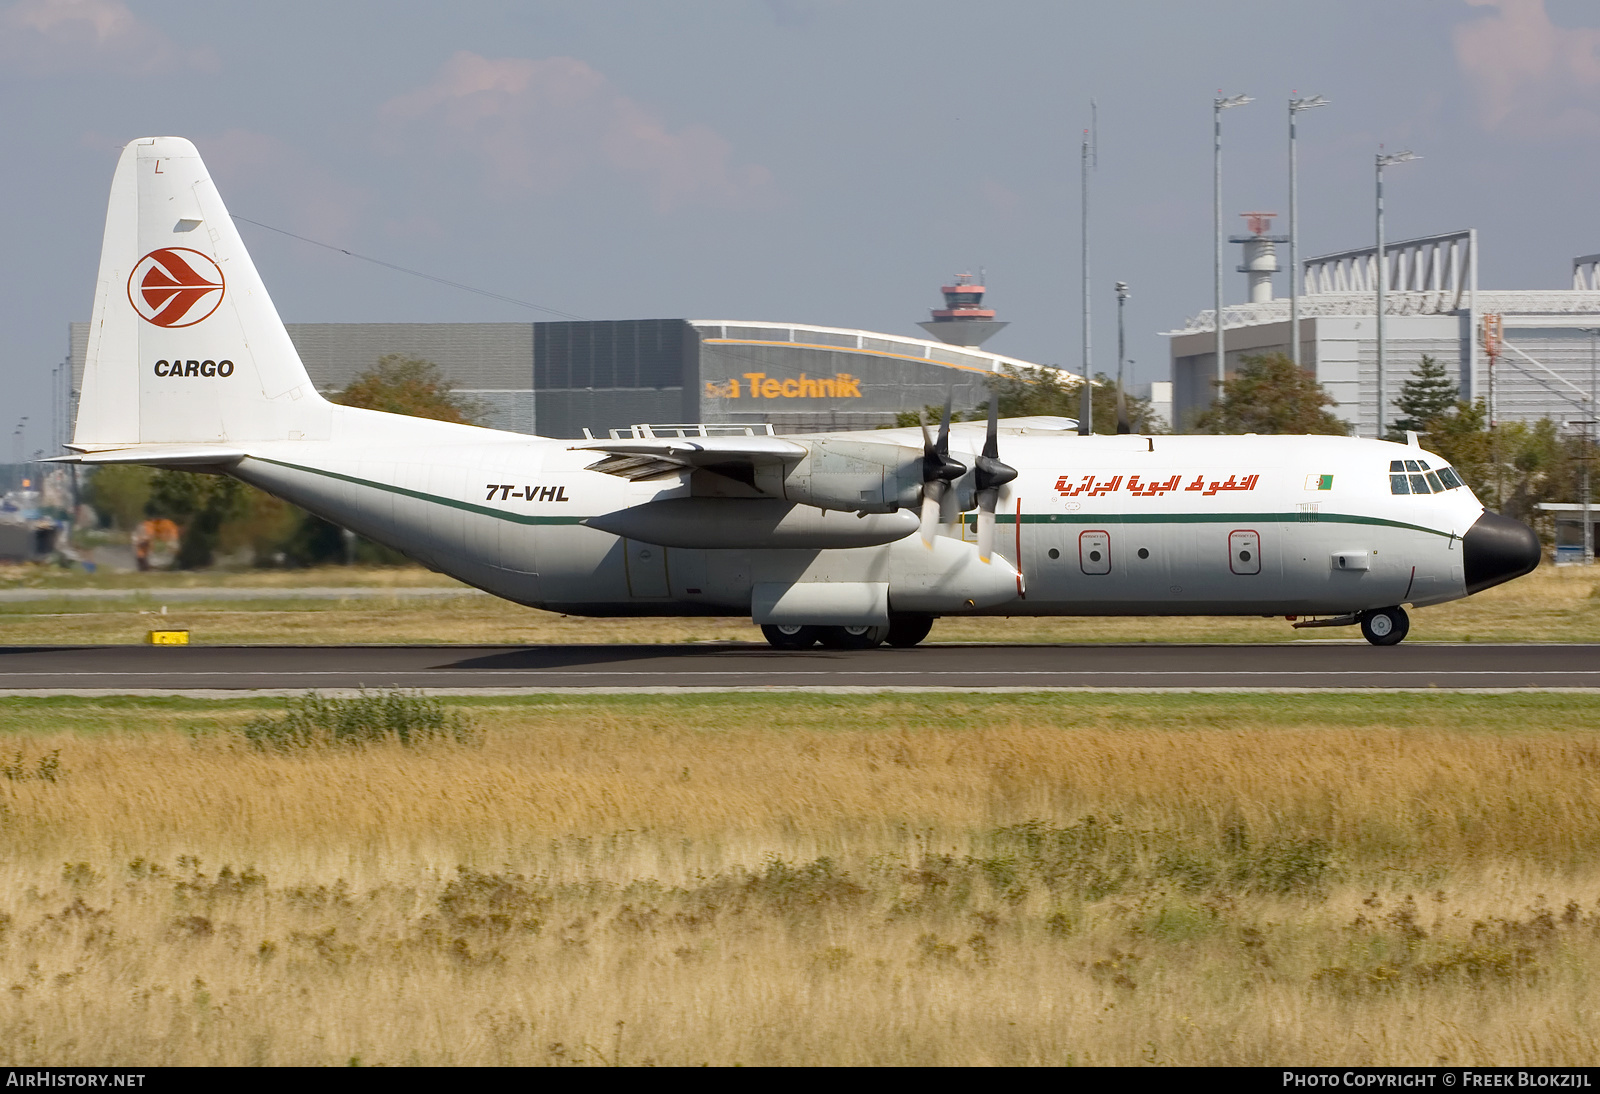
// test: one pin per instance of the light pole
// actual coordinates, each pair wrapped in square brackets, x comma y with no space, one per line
[1588,458]
[1122,299]
[1295,106]
[1383,276]
[1086,397]
[1218,105]
[1122,402]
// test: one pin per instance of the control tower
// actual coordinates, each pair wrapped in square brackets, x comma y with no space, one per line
[1260,255]
[963,321]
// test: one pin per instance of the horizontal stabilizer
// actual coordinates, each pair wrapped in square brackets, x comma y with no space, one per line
[158,455]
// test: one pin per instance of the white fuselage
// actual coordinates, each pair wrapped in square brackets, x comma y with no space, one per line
[1124,525]
[188,365]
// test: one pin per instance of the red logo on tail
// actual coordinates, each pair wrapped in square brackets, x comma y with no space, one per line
[175,287]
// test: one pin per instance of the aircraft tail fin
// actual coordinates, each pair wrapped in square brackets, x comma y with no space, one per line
[185,345]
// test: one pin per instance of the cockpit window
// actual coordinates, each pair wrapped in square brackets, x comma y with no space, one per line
[1420,479]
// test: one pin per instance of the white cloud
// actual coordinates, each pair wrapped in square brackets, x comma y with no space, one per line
[539,126]
[1532,78]
[61,37]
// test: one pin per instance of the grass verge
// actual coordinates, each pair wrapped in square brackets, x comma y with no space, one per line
[1550,605]
[1191,879]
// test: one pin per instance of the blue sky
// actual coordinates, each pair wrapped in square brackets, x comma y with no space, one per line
[820,161]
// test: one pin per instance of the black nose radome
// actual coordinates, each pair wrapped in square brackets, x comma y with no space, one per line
[1497,549]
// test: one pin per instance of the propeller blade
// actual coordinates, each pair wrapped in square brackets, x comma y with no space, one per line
[987,499]
[938,472]
[932,499]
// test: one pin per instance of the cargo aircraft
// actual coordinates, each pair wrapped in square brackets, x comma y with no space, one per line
[845,539]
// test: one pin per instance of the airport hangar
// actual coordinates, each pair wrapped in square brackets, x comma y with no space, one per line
[1547,352]
[557,379]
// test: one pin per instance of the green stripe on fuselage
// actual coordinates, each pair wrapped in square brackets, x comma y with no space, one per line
[971,519]
[464,506]
[1203,518]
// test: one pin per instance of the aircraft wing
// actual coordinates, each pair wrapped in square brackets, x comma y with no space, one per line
[735,457]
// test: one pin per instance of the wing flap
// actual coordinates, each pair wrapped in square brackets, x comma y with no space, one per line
[735,457]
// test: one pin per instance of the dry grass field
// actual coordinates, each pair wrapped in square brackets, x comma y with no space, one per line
[784,879]
[1550,605]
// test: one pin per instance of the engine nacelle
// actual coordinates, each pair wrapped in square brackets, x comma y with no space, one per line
[949,577]
[848,475]
[752,523]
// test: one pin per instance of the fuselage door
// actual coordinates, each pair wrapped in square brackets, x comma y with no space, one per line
[1094,552]
[647,569]
[1244,552]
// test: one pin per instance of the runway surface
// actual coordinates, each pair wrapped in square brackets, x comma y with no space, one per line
[1316,666]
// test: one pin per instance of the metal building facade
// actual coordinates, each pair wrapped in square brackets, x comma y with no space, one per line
[1546,364]
[558,379]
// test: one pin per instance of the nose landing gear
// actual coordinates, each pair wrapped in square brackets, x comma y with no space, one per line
[1385,626]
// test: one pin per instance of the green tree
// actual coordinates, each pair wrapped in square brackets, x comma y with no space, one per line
[199,505]
[1428,393]
[933,414]
[1541,467]
[1461,436]
[120,493]
[1027,392]
[1513,467]
[1270,395]
[1024,392]
[399,384]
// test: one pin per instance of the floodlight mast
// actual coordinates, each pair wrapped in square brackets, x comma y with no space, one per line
[1296,105]
[1086,395]
[1089,161]
[1588,456]
[1383,277]
[1218,105]
[1122,299]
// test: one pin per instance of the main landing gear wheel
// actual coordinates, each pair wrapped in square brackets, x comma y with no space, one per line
[906,630]
[790,638]
[1385,626]
[851,638]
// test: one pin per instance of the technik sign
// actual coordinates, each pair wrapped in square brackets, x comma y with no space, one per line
[758,385]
